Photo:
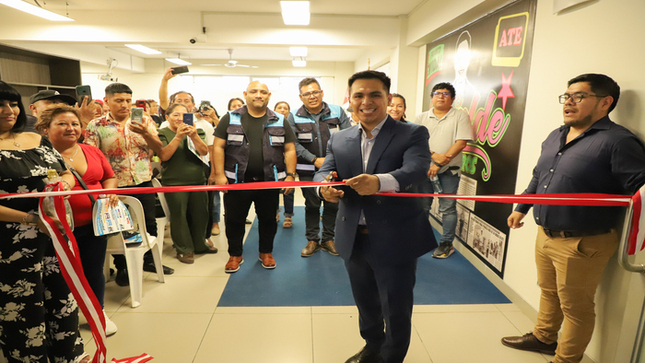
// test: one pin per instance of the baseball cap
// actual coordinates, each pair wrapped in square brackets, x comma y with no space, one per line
[49,94]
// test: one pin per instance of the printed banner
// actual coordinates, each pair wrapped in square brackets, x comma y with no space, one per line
[488,62]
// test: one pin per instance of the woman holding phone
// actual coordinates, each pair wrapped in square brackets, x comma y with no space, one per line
[181,164]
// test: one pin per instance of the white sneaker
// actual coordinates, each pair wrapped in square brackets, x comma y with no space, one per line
[110,327]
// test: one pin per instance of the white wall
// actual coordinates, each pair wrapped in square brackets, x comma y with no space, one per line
[601,37]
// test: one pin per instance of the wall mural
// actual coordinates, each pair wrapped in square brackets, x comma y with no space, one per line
[488,62]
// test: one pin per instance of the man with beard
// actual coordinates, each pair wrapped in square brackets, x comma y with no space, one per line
[588,154]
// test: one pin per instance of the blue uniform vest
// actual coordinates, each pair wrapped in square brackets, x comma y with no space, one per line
[307,136]
[237,147]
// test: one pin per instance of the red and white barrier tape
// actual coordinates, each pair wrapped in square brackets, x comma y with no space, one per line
[72,270]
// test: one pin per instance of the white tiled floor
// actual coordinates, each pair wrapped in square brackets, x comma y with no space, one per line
[179,321]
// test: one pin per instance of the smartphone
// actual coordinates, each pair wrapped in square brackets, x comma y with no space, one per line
[204,105]
[82,91]
[188,118]
[137,114]
[180,69]
[142,104]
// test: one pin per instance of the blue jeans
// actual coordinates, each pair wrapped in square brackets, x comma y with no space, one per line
[216,207]
[288,203]
[447,207]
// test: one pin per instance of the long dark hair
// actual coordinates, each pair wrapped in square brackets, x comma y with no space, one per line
[8,93]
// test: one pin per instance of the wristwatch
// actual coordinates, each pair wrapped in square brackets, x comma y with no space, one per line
[314,159]
[294,175]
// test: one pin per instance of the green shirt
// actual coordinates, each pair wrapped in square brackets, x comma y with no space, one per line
[183,167]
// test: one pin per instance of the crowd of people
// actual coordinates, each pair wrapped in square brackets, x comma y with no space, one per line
[98,144]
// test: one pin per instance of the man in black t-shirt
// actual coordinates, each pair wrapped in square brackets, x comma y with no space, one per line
[252,144]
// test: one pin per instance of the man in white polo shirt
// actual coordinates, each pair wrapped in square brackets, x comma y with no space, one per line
[450,130]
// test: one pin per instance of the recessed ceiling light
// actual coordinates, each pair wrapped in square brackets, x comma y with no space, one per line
[295,12]
[298,51]
[35,10]
[181,62]
[143,49]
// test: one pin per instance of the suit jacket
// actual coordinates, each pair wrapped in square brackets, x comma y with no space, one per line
[399,230]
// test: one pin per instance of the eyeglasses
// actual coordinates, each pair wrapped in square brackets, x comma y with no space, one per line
[445,94]
[315,93]
[576,97]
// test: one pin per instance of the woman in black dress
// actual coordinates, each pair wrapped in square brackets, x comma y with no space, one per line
[38,314]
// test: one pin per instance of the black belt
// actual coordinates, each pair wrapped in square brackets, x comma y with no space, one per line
[362,229]
[569,234]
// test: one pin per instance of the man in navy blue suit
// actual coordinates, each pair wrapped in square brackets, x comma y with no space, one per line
[380,238]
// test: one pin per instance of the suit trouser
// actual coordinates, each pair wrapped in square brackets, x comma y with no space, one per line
[312,214]
[569,271]
[189,220]
[236,208]
[384,297]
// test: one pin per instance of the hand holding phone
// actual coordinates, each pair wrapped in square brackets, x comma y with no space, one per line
[205,106]
[180,69]
[137,114]
[142,104]
[188,118]
[82,91]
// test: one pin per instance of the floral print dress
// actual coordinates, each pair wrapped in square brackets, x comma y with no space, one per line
[38,314]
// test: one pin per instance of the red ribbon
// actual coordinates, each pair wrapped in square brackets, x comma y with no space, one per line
[580,199]
[72,270]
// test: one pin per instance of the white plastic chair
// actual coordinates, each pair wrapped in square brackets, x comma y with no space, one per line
[134,254]
[162,221]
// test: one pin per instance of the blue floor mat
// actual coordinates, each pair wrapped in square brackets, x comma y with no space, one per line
[321,280]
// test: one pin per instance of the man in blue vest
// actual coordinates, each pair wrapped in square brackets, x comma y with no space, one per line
[313,124]
[252,144]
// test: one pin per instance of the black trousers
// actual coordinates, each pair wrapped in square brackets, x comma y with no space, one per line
[92,251]
[384,297]
[150,215]
[236,208]
[312,214]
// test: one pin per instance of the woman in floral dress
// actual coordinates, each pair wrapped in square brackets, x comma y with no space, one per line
[38,315]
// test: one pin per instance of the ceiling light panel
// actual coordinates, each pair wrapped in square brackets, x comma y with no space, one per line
[143,49]
[295,12]
[178,61]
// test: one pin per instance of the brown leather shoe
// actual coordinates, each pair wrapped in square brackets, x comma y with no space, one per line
[531,343]
[267,260]
[188,258]
[233,264]
[330,247]
[312,247]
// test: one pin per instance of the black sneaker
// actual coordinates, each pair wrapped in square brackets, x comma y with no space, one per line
[444,250]
[121,278]
[149,266]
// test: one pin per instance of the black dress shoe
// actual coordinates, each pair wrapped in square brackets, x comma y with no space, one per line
[531,343]
[121,278]
[150,267]
[365,356]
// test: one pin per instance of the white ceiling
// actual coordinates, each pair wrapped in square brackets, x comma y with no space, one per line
[340,30]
